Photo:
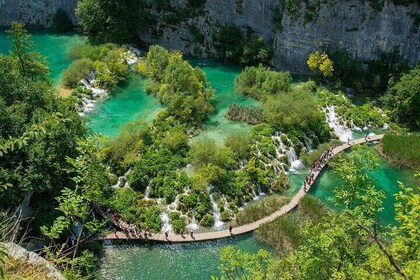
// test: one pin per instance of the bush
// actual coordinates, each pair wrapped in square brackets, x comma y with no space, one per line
[225,216]
[296,110]
[260,209]
[207,221]
[77,71]
[261,82]
[61,21]
[177,221]
[280,184]
[249,114]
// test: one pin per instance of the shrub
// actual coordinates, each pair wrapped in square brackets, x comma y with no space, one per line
[280,184]
[261,82]
[260,209]
[225,216]
[207,221]
[78,70]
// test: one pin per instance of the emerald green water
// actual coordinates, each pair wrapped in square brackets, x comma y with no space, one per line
[170,261]
[131,102]
[54,47]
[221,78]
[385,177]
[186,261]
[125,104]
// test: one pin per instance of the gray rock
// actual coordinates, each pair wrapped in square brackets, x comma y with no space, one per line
[17,252]
[348,25]
[34,12]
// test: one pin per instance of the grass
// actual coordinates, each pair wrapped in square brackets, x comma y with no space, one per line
[22,270]
[283,233]
[261,209]
[402,149]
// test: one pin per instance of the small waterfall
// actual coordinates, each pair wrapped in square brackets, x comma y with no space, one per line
[218,224]
[308,143]
[193,224]
[342,131]
[124,177]
[147,192]
[256,197]
[174,205]
[166,225]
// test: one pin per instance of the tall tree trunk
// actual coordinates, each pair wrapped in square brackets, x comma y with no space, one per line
[381,246]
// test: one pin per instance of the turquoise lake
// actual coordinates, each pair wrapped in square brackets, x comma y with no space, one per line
[184,261]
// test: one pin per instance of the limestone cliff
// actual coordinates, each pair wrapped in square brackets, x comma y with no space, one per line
[352,25]
[37,13]
[348,25]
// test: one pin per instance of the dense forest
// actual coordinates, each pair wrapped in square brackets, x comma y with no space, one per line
[57,176]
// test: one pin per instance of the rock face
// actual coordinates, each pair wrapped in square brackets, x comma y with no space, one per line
[37,13]
[350,25]
[346,25]
[15,251]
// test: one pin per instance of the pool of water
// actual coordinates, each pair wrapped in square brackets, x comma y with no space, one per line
[131,102]
[54,47]
[385,177]
[125,104]
[170,261]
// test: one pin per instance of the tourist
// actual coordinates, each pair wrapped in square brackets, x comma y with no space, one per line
[230,229]
[304,186]
[166,234]
[348,141]
[192,234]
[182,233]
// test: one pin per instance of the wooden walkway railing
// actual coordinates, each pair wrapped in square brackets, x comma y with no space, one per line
[212,235]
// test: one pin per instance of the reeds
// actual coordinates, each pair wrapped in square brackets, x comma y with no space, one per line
[402,149]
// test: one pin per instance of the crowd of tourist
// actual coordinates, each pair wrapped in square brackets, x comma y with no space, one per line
[317,166]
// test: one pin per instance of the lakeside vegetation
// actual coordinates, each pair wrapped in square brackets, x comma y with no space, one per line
[402,149]
[320,244]
[47,155]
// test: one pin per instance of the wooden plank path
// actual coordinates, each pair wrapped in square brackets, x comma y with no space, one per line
[212,235]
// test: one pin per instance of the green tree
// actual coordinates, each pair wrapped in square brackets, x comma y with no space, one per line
[77,204]
[404,99]
[30,63]
[61,21]
[109,20]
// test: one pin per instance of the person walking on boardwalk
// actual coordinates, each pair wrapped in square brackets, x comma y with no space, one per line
[230,229]
[192,234]
[167,234]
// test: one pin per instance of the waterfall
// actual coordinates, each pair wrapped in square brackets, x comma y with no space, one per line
[193,224]
[218,224]
[124,177]
[342,131]
[166,225]
[308,143]
[174,205]
[147,192]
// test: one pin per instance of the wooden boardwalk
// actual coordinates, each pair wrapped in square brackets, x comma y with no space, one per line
[212,235]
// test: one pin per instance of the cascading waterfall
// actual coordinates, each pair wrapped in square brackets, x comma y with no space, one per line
[121,178]
[218,224]
[193,224]
[342,131]
[308,143]
[130,57]
[166,225]
[147,192]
